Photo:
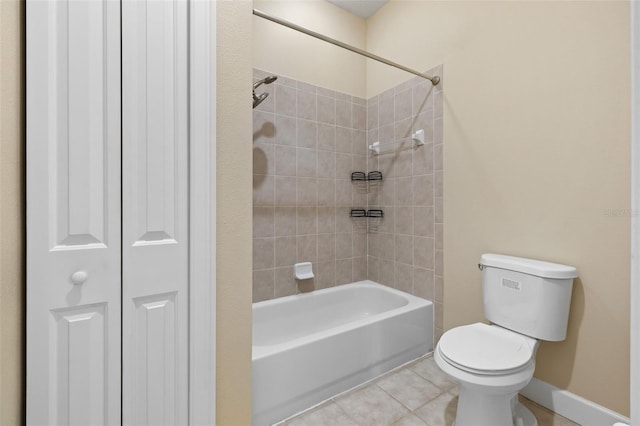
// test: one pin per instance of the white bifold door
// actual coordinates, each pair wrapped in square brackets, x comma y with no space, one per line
[108,212]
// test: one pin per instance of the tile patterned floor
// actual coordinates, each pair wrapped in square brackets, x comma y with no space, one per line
[416,394]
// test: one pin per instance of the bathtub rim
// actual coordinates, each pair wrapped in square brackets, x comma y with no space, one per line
[414,302]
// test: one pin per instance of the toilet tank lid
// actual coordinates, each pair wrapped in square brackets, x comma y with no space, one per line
[529,266]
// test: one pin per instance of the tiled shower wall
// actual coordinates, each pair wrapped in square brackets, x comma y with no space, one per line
[307,141]
[406,251]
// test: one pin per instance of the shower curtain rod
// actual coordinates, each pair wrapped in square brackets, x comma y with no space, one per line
[434,79]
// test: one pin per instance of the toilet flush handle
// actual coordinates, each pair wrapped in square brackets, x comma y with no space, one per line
[480,266]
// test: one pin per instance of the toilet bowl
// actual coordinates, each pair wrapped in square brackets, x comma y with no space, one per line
[491,365]
[526,301]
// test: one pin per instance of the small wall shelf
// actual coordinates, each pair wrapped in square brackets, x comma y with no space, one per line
[366,182]
[362,177]
[417,137]
[366,213]
[367,220]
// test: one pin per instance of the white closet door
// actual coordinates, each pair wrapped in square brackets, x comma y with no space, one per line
[155,212]
[73,212]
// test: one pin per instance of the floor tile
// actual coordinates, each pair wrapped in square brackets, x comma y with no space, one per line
[372,406]
[409,388]
[428,369]
[545,417]
[410,420]
[418,394]
[329,414]
[439,412]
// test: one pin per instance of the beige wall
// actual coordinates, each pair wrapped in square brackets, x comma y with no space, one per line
[286,52]
[537,139]
[11,213]
[234,214]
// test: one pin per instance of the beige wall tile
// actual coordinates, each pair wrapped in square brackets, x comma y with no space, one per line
[344,271]
[343,114]
[359,143]
[307,162]
[263,285]
[326,247]
[423,221]
[286,103]
[404,220]
[263,253]
[423,160]
[326,192]
[404,192]
[386,109]
[263,222]
[326,109]
[423,283]
[404,277]
[423,252]
[285,191]
[263,159]
[372,117]
[326,164]
[373,269]
[263,190]
[326,219]
[285,221]
[344,245]
[387,272]
[306,105]
[344,223]
[307,134]
[326,274]
[285,161]
[286,130]
[403,104]
[285,251]
[344,193]
[423,190]
[306,189]
[404,249]
[307,220]
[263,127]
[327,137]
[307,248]
[359,272]
[285,282]
[344,137]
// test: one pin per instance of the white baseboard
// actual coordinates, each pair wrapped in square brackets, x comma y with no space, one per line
[571,406]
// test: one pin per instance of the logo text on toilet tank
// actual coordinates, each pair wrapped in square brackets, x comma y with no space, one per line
[514,285]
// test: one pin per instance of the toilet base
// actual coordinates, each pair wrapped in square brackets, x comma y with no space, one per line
[522,416]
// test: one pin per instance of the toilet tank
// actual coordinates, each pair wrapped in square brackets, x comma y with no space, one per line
[528,296]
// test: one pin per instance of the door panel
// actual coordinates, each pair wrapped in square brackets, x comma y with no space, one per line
[73,212]
[79,341]
[155,212]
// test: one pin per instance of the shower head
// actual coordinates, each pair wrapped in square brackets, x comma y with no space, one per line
[257,100]
[267,80]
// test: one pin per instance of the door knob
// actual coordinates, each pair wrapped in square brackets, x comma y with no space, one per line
[78,277]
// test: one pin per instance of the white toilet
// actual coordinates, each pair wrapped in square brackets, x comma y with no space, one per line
[526,301]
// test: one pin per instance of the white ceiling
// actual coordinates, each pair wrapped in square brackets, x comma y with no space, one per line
[363,8]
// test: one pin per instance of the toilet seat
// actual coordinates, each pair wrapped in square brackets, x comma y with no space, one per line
[487,349]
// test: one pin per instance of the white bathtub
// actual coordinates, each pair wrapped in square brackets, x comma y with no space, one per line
[309,347]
